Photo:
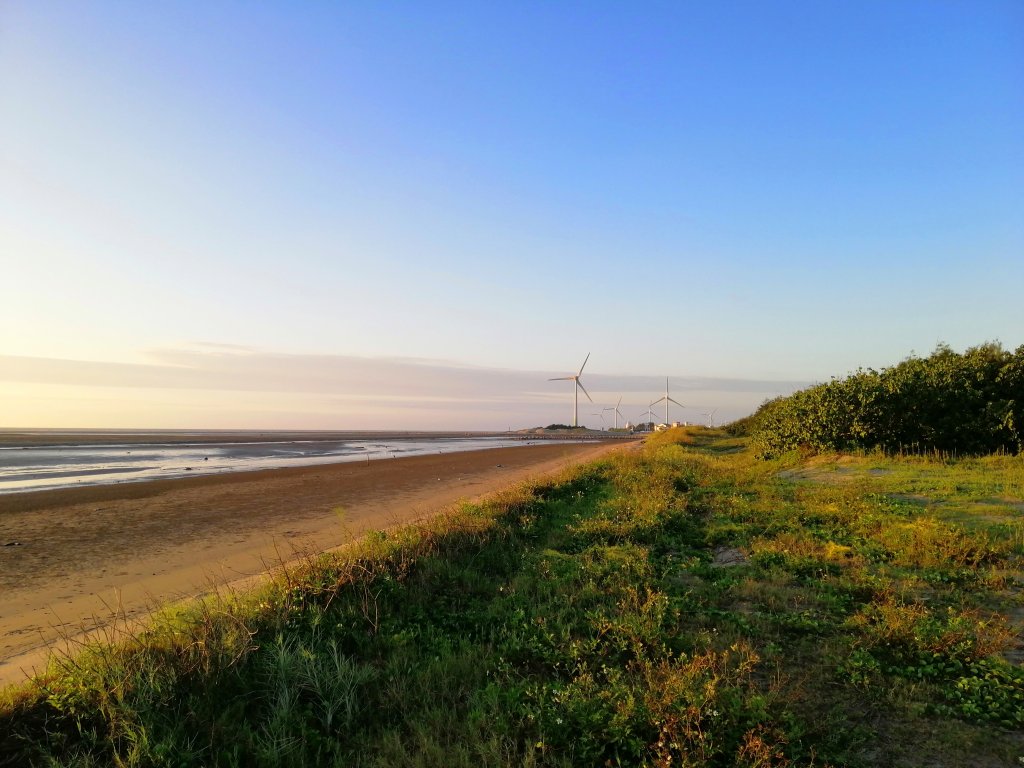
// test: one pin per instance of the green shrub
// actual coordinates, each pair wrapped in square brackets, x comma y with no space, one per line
[961,404]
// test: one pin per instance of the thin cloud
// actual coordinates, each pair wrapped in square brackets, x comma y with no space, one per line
[382,383]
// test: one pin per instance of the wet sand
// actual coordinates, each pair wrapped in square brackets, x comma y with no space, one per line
[72,559]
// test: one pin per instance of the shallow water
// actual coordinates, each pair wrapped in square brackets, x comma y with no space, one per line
[46,467]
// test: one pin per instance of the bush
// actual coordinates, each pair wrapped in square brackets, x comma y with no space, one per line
[966,404]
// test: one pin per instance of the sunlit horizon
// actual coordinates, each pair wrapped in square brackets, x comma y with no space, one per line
[202,389]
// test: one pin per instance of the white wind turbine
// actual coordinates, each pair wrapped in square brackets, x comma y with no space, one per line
[650,414]
[616,411]
[577,386]
[667,400]
[711,417]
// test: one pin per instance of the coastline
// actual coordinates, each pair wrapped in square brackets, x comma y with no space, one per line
[18,438]
[88,555]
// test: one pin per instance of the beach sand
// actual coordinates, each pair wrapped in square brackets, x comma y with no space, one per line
[78,559]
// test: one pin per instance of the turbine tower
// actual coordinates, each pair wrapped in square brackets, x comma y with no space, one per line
[667,400]
[577,386]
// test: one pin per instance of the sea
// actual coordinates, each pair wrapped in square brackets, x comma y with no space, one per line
[105,458]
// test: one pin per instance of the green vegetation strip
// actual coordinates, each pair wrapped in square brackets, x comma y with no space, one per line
[681,605]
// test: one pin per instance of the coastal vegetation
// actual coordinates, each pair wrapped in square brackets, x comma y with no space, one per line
[686,603]
[969,403]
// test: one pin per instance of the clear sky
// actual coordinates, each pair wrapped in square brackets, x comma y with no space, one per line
[360,215]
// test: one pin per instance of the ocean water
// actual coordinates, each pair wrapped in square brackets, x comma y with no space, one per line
[32,468]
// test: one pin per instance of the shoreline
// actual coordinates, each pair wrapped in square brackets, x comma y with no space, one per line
[32,469]
[13,439]
[37,438]
[88,555]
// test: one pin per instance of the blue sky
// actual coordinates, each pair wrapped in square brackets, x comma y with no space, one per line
[742,196]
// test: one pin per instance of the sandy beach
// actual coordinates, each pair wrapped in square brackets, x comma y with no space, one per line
[71,559]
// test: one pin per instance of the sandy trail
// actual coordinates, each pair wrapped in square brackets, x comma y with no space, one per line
[83,553]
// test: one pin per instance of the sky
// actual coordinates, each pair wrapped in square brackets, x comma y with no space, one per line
[412,215]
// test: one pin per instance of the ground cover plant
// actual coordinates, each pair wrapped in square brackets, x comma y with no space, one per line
[683,603]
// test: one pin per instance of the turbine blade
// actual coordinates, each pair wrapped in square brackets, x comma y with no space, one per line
[620,402]
[584,364]
[656,402]
[580,385]
[676,402]
[563,378]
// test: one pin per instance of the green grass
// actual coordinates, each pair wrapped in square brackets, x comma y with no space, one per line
[685,604]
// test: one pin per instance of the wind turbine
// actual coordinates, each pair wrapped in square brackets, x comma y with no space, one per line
[577,386]
[616,411]
[650,414]
[601,414]
[667,400]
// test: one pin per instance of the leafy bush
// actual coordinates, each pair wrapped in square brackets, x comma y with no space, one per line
[966,404]
[742,427]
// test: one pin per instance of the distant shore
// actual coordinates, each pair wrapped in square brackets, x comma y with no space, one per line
[15,438]
[71,558]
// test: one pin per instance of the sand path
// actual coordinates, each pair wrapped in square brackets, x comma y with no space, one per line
[84,555]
